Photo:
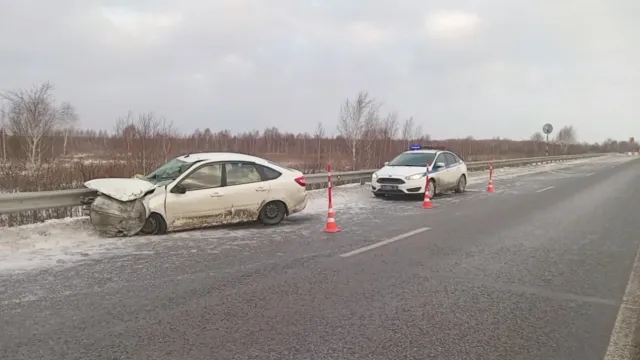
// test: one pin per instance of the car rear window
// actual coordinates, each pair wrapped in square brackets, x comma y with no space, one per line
[281,166]
[268,173]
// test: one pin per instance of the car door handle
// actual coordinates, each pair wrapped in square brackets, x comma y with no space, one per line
[215,195]
[261,189]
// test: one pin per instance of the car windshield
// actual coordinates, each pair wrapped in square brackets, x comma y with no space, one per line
[412,159]
[169,171]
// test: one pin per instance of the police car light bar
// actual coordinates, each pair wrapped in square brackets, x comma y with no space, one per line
[420,147]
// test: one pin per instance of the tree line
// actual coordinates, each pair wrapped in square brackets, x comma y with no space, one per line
[36,128]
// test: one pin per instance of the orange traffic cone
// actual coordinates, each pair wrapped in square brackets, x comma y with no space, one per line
[490,187]
[331,227]
[426,204]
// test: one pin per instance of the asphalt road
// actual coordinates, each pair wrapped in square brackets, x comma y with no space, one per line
[536,270]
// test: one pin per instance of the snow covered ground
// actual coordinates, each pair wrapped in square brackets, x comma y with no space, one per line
[69,241]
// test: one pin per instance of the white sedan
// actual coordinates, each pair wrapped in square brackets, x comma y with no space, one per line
[406,173]
[198,190]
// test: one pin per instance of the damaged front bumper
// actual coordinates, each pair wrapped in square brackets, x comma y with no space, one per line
[112,217]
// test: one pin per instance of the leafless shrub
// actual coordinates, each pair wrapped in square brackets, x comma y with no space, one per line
[32,115]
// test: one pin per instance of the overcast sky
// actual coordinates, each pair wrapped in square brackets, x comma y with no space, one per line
[477,67]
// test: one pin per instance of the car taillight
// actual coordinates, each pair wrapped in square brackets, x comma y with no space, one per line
[301,181]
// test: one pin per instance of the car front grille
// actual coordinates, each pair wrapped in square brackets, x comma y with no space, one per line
[390,181]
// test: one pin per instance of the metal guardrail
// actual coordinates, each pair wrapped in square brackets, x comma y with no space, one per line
[41,200]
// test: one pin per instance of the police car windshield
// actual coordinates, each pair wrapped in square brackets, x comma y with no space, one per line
[413,159]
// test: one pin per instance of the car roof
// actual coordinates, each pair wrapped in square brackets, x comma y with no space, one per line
[220,156]
[425,151]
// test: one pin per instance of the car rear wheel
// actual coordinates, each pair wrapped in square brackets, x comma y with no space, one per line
[462,184]
[272,213]
[155,225]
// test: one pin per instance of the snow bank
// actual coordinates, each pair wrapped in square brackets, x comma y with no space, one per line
[49,243]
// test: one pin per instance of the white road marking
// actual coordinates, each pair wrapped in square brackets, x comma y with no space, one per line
[589,174]
[545,189]
[385,242]
[622,344]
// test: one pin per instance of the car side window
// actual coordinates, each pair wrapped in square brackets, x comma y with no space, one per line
[205,177]
[441,159]
[239,173]
[451,159]
[267,172]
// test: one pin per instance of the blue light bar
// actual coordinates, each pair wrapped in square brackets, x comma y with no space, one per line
[415,147]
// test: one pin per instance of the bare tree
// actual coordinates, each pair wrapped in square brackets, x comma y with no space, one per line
[3,131]
[418,133]
[374,132]
[148,128]
[354,118]
[566,137]
[319,135]
[33,114]
[65,142]
[389,133]
[537,137]
[408,130]
[167,133]
[126,129]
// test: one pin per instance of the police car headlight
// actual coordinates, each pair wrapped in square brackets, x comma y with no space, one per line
[414,176]
[374,176]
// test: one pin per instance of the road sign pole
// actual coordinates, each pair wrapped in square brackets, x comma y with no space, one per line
[547,129]
[546,150]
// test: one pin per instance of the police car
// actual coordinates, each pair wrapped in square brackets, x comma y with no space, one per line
[406,173]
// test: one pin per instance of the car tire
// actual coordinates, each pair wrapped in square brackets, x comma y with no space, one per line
[272,213]
[378,195]
[462,184]
[432,188]
[154,225]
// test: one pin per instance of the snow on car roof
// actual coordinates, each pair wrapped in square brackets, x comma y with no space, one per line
[220,156]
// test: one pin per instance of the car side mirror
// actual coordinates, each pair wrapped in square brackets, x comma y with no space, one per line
[386,163]
[179,189]
[440,165]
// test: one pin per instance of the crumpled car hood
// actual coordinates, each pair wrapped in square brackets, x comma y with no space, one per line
[123,189]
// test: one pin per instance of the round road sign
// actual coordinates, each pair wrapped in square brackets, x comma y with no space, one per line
[547,128]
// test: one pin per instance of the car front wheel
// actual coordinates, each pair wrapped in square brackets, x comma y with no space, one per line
[432,188]
[154,225]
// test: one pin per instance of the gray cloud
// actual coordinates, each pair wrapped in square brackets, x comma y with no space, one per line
[499,68]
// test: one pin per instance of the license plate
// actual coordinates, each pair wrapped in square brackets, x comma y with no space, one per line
[389,187]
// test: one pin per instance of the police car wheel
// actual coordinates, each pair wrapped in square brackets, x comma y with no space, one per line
[432,188]
[462,184]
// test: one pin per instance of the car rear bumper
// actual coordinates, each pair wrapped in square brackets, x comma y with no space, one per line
[299,205]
